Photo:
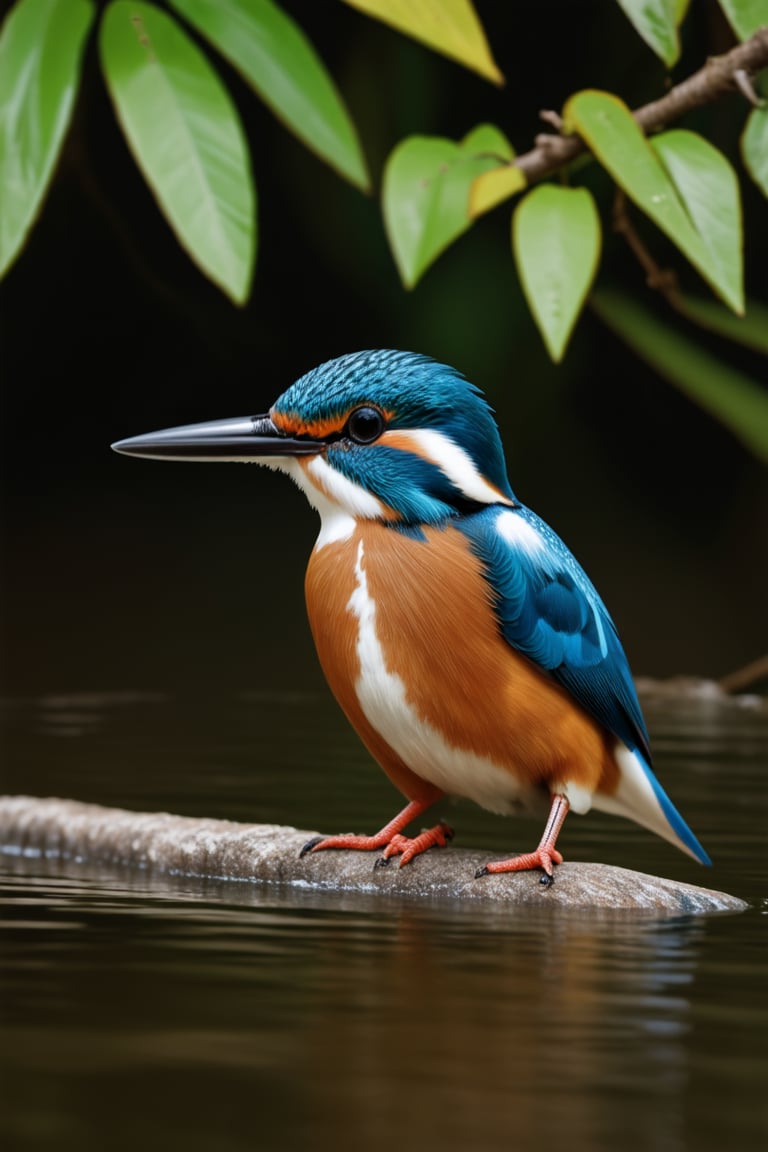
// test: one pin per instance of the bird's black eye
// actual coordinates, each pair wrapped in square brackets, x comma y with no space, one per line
[365,425]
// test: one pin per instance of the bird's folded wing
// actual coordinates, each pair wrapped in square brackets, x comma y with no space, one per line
[549,610]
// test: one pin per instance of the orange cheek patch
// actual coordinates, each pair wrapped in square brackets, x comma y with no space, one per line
[405,443]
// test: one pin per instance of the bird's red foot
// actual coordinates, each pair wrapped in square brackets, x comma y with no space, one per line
[538,859]
[406,847]
[545,856]
[389,838]
[344,840]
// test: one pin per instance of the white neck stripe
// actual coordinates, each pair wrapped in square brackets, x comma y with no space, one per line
[456,464]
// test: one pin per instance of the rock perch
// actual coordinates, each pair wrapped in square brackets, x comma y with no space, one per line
[51,828]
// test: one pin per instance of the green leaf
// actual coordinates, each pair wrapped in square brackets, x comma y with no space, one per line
[730,396]
[656,21]
[425,193]
[556,242]
[751,329]
[275,57]
[183,130]
[452,28]
[745,16]
[754,147]
[707,185]
[41,47]
[613,135]
[488,142]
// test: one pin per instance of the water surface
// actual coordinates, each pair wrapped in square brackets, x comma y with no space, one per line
[140,1010]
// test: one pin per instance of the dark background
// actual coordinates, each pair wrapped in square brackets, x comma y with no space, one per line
[120,573]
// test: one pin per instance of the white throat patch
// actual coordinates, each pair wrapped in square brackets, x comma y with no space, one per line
[339,501]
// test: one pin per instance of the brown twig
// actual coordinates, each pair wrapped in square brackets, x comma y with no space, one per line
[744,84]
[745,678]
[662,279]
[719,75]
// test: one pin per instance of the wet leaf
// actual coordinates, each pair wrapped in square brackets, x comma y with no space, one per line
[185,135]
[41,46]
[425,194]
[611,132]
[556,242]
[656,21]
[707,185]
[275,57]
[745,16]
[754,147]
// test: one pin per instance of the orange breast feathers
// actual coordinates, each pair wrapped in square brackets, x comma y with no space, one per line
[430,618]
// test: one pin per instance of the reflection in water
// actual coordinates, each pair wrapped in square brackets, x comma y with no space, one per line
[334,1018]
[138,1011]
[541,1034]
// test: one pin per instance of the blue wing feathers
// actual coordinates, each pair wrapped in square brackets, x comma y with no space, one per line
[563,611]
[549,610]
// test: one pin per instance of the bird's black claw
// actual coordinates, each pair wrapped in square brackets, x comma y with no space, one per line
[547,880]
[481,872]
[310,844]
[382,861]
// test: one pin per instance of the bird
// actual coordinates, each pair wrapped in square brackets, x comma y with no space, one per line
[462,639]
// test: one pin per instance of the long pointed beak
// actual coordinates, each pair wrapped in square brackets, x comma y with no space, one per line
[247,438]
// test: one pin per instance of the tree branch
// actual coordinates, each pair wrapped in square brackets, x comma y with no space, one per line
[720,74]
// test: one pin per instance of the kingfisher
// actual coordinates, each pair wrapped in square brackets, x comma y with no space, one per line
[462,639]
